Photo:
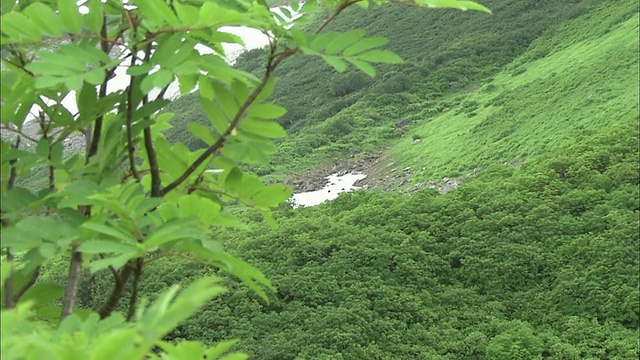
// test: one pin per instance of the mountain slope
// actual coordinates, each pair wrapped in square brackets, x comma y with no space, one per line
[572,85]
[447,52]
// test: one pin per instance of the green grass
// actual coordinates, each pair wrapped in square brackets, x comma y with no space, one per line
[586,83]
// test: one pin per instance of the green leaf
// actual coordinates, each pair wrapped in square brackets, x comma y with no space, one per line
[94,19]
[110,231]
[117,262]
[162,78]
[344,40]
[221,348]
[164,315]
[19,28]
[380,56]
[77,193]
[71,18]
[453,4]
[365,44]
[6,271]
[202,132]
[271,196]
[198,207]
[363,66]
[232,178]
[48,22]
[17,199]
[142,69]
[176,229]
[270,129]
[87,100]
[266,111]
[106,246]
[43,293]
[157,11]
[337,63]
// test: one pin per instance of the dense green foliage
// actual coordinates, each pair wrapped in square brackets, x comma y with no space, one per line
[534,256]
[537,260]
[518,263]
[128,197]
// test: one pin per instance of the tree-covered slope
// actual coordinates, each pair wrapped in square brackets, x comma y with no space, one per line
[535,258]
[533,262]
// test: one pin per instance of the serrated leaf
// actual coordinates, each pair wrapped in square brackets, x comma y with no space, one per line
[110,231]
[176,229]
[71,18]
[43,293]
[365,44]
[363,66]
[453,4]
[157,11]
[19,28]
[343,40]
[42,16]
[221,348]
[380,56]
[106,246]
[266,111]
[337,63]
[271,196]
[202,132]
[117,262]
[266,128]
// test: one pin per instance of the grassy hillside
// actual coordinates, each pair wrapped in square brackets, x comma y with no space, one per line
[577,83]
[447,53]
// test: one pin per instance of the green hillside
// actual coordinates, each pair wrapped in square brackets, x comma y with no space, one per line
[448,54]
[534,256]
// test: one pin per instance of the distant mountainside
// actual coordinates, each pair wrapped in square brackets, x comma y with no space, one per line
[454,63]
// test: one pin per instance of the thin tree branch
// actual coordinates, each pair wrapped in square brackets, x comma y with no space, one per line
[73,281]
[8,283]
[18,132]
[117,291]
[232,125]
[335,13]
[13,173]
[134,291]
[129,115]
[97,129]
[28,285]
[154,167]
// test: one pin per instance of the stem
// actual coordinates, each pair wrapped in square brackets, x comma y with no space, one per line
[130,147]
[331,16]
[28,285]
[134,292]
[8,284]
[16,131]
[73,281]
[116,293]
[97,129]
